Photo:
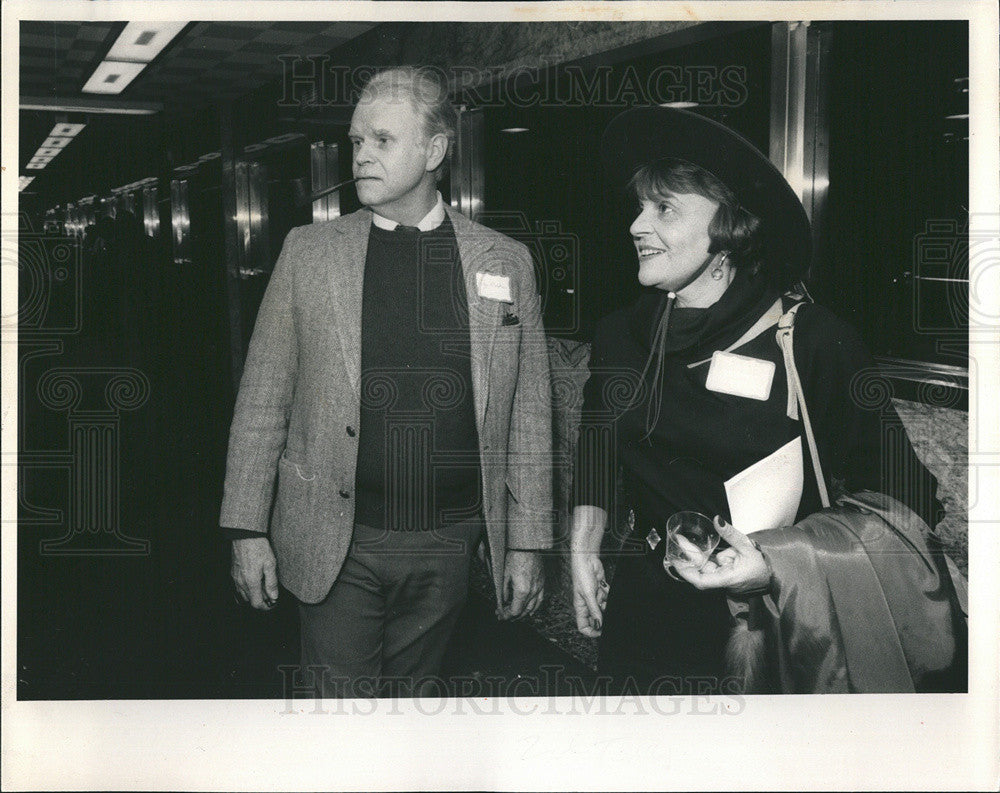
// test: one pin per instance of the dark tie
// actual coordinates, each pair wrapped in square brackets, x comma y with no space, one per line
[410,232]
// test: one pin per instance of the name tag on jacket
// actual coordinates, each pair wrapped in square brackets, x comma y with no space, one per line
[494,287]
[740,375]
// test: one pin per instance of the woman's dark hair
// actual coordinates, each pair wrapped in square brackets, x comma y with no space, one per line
[732,229]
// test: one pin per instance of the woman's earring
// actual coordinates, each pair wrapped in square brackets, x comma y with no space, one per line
[717,272]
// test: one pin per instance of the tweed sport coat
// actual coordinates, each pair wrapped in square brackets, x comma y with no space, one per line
[293,443]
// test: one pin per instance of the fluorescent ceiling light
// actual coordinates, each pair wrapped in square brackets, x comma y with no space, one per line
[680,105]
[86,104]
[111,77]
[142,41]
[36,165]
[56,143]
[23,182]
[44,151]
[66,130]
[514,130]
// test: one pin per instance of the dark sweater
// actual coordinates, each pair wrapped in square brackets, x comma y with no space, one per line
[418,451]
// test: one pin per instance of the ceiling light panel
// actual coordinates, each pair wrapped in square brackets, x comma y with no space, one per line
[140,42]
[111,77]
[86,104]
[56,143]
[66,130]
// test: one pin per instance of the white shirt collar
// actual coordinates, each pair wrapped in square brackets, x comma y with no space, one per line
[430,221]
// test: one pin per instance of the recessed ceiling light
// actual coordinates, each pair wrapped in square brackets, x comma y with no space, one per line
[140,42]
[513,130]
[66,130]
[87,104]
[111,77]
[681,105]
[56,143]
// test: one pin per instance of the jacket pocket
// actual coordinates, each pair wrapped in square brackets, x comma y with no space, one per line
[295,499]
[303,471]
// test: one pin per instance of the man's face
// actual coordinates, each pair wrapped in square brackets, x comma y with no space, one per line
[393,158]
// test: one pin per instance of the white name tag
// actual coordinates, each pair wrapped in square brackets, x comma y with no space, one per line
[494,287]
[740,375]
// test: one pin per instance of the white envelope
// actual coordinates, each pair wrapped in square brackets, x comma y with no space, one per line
[767,494]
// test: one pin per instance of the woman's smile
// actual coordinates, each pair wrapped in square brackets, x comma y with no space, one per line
[645,251]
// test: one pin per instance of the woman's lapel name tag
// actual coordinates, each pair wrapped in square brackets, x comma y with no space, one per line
[740,375]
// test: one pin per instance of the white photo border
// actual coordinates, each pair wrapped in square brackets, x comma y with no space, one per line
[945,742]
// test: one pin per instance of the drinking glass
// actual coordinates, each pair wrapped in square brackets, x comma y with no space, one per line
[691,539]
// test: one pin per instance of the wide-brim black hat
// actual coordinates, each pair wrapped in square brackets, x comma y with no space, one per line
[644,135]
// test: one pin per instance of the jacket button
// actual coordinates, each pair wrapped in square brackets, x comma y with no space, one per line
[344,494]
[351,432]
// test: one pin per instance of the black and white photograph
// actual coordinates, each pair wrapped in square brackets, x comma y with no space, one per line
[500,396]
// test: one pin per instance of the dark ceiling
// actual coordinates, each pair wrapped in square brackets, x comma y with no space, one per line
[207,62]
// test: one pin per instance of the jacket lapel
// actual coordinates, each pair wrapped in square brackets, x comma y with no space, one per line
[347,249]
[484,315]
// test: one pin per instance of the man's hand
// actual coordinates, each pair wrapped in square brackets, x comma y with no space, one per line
[590,591]
[255,572]
[740,568]
[523,585]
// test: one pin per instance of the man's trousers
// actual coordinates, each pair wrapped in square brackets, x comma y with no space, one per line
[383,628]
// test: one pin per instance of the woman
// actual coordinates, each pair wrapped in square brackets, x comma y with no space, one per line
[720,238]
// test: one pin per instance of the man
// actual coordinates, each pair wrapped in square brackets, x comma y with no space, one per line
[397,388]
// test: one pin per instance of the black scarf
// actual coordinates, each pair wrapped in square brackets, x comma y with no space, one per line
[695,333]
[690,334]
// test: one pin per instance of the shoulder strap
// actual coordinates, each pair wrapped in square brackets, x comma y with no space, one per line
[767,320]
[796,397]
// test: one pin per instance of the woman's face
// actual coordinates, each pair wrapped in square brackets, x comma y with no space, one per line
[671,238]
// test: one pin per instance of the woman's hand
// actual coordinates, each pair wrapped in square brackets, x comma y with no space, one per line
[590,591]
[590,587]
[740,568]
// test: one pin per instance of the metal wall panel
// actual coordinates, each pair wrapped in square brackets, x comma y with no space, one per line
[467,164]
[150,210]
[324,165]
[251,219]
[180,220]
